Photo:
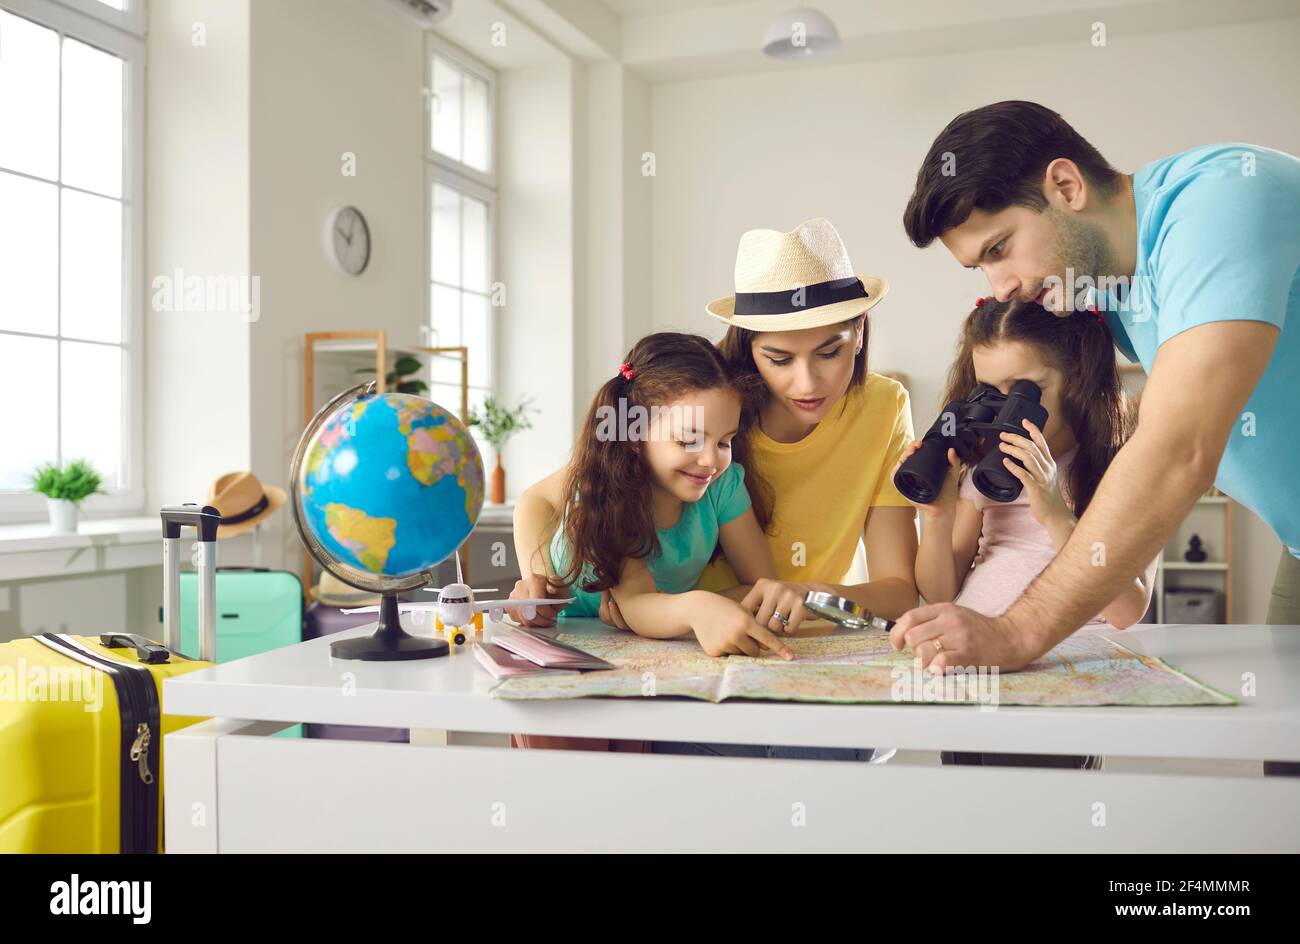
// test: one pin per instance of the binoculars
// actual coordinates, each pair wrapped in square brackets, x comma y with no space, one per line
[961,426]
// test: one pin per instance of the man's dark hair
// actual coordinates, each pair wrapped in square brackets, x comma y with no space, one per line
[992,158]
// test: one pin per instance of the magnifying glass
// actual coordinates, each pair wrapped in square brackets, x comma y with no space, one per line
[844,612]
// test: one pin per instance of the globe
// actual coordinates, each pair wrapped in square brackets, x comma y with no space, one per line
[385,486]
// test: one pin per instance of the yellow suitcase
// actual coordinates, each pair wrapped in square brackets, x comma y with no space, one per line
[82,721]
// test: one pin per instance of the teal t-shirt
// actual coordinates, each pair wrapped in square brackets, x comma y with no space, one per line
[1219,240]
[684,549]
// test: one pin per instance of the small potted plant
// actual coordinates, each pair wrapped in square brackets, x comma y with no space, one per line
[65,488]
[399,380]
[498,424]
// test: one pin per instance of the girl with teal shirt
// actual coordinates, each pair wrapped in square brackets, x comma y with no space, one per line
[684,549]
[654,490]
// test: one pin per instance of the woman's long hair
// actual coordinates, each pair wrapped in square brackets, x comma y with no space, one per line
[1092,398]
[737,347]
[608,491]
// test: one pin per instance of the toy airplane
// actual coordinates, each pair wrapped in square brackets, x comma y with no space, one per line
[456,608]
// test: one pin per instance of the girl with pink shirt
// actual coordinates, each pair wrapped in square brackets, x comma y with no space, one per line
[981,553]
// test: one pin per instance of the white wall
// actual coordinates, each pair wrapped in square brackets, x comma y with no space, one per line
[328,77]
[536,262]
[845,142]
[616,304]
[197,391]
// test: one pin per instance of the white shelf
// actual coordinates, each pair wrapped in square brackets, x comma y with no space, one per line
[345,347]
[31,551]
[1178,566]
[496,517]
[19,538]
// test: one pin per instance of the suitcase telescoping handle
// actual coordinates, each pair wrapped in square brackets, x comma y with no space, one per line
[205,519]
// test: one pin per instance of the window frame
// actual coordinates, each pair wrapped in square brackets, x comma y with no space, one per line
[119,33]
[480,70]
[468,181]
[129,20]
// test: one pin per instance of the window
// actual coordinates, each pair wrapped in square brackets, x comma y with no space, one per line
[462,202]
[459,104]
[69,185]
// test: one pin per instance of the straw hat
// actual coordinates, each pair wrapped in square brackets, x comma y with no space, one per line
[799,279]
[243,502]
[331,591]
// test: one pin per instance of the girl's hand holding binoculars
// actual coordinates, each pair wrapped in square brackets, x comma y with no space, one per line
[945,503]
[1041,480]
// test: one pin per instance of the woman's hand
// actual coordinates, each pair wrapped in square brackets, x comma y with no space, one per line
[945,503]
[1040,479]
[769,597]
[724,627]
[537,587]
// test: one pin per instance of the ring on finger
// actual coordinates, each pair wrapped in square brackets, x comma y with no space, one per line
[781,617]
[938,644]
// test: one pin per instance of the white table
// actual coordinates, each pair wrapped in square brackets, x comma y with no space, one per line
[230,787]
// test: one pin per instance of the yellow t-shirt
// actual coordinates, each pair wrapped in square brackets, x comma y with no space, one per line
[824,485]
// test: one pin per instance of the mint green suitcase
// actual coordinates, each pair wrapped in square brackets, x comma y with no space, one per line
[257,610]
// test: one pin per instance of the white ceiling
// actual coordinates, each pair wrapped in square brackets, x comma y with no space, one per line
[666,40]
[709,38]
[652,7]
[472,26]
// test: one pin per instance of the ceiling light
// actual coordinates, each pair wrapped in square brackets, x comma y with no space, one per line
[801,33]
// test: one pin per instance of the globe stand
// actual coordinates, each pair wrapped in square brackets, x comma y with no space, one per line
[389,642]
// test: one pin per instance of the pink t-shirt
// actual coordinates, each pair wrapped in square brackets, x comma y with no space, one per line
[1013,549]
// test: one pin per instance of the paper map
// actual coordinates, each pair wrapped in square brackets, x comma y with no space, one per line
[1084,670]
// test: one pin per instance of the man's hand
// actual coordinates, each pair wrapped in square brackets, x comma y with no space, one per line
[944,635]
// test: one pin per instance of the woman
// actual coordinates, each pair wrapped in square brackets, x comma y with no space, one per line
[824,435]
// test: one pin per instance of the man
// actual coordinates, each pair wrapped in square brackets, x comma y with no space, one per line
[1194,260]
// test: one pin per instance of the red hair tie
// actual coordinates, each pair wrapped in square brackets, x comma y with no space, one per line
[627,370]
[979,302]
[1101,318]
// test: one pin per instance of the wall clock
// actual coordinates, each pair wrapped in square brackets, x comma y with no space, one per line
[347,240]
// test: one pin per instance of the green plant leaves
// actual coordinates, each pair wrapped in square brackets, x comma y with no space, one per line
[500,422]
[75,483]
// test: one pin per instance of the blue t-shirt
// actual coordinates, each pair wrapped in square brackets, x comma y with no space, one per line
[1218,239]
[684,549]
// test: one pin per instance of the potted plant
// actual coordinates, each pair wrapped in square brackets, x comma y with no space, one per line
[397,380]
[65,488]
[498,424]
